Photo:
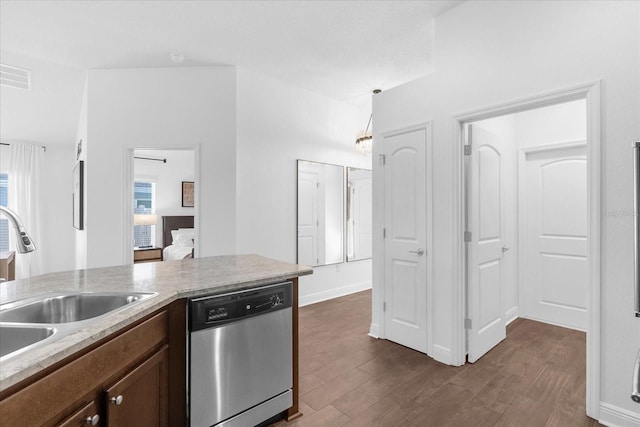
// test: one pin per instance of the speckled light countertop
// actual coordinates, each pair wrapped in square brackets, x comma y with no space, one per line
[170,279]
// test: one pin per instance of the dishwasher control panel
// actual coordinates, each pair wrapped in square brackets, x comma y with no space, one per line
[214,310]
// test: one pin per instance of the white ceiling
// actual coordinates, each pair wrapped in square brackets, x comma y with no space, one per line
[342,49]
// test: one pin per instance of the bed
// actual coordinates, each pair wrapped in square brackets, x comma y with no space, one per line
[182,248]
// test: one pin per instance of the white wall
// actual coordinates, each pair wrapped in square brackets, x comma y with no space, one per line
[490,53]
[555,124]
[248,194]
[278,124]
[48,112]
[56,209]
[160,108]
[168,178]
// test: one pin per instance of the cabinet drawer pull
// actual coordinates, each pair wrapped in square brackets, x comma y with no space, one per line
[117,400]
[93,421]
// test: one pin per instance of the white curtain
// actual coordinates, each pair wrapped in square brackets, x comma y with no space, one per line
[24,198]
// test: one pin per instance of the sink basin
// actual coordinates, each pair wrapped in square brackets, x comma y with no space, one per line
[14,338]
[67,307]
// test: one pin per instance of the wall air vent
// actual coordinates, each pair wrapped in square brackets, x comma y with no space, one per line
[15,77]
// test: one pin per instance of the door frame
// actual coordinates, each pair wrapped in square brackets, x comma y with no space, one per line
[522,159]
[428,128]
[591,92]
[127,194]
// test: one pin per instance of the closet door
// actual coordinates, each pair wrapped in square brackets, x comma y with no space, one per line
[405,247]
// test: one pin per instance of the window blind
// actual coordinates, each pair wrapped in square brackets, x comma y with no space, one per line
[143,203]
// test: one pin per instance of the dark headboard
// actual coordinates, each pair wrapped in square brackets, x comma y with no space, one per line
[173,223]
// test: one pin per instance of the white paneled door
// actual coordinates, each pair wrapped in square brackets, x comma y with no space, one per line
[553,228]
[486,198]
[362,201]
[405,222]
[308,218]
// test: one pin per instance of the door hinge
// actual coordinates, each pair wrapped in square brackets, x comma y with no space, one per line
[467,150]
[384,306]
[467,323]
[467,236]
[383,159]
[384,233]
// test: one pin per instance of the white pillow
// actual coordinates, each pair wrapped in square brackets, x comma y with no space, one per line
[183,237]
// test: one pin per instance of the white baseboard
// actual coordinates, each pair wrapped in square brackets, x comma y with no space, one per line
[511,314]
[614,416]
[374,330]
[442,354]
[562,325]
[333,293]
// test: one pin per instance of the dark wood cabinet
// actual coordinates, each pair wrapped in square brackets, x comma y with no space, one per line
[132,364]
[140,397]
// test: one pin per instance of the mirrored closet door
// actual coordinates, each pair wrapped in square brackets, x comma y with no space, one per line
[320,213]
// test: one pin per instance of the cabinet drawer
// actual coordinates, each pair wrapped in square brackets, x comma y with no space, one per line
[87,416]
[47,399]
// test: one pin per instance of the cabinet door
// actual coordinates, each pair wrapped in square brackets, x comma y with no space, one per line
[140,398]
[87,416]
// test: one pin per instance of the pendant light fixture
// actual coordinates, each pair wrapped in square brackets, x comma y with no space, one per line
[363,142]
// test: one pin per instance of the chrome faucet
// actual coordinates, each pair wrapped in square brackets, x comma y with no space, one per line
[24,243]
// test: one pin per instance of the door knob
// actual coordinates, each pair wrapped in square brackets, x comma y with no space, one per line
[504,249]
[92,421]
[117,400]
[418,252]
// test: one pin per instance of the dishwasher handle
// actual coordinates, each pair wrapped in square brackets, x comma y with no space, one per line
[636,226]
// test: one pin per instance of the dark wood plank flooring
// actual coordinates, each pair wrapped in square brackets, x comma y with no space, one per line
[536,377]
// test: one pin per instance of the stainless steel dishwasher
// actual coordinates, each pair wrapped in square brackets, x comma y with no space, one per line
[240,357]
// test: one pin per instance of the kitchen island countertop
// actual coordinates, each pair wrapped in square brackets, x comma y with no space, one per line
[171,280]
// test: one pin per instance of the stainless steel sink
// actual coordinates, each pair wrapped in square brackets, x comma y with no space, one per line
[67,307]
[33,322]
[14,338]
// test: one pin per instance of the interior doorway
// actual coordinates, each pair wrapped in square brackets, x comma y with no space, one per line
[526,210]
[161,184]
[542,208]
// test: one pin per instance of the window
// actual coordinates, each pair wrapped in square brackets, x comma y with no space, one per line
[4,222]
[143,203]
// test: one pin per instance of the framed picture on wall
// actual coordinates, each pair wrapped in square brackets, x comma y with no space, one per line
[187,194]
[78,196]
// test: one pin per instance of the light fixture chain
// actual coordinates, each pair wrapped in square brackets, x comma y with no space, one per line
[368,124]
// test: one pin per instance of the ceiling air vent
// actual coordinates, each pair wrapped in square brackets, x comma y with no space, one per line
[15,77]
